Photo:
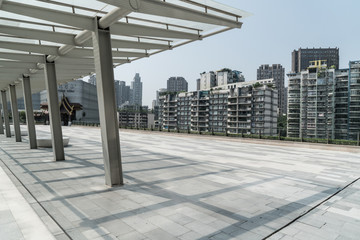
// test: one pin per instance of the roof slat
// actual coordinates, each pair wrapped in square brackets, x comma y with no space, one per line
[165,9]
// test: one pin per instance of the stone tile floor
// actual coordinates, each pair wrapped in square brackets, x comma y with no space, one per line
[180,186]
[18,220]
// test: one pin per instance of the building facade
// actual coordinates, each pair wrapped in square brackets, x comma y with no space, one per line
[117,87]
[92,79]
[354,99]
[301,58]
[158,93]
[136,91]
[35,102]
[177,84]
[223,77]
[207,80]
[234,109]
[227,76]
[133,116]
[124,93]
[82,93]
[324,102]
[276,72]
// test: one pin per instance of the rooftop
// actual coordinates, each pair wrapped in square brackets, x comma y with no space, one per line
[180,186]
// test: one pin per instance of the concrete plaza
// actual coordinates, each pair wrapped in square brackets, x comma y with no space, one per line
[180,186]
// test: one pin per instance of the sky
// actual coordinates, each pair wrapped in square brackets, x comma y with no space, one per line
[275,29]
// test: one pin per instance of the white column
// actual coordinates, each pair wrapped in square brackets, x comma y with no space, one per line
[54,111]
[107,105]
[1,123]
[15,113]
[29,112]
[6,113]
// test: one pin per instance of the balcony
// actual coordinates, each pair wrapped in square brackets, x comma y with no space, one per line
[244,103]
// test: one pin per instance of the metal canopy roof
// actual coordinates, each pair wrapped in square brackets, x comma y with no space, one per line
[61,31]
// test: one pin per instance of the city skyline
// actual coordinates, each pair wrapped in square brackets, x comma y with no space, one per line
[263,39]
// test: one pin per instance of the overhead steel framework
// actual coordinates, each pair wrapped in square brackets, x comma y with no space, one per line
[48,42]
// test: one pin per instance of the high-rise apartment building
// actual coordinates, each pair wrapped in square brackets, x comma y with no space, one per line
[117,93]
[324,102]
[301,58]
[207,80]
[226,76]
[92,81]
[124,92]
[158,93]
[222,77]
[177,84]
[354,99]
[249,108]
[136,91]
[133,116]
[276,72]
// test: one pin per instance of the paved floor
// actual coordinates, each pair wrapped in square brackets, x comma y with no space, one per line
[18,220]
[188,187]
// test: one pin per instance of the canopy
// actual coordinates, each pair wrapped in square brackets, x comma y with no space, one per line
[31,30]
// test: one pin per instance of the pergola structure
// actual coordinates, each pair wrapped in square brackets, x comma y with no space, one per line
[44,43]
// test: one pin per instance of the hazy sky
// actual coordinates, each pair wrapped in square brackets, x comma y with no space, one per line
[269,36]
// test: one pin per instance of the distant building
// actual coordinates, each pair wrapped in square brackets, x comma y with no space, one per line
[117,93]
[124,93]
[249,108]
[227,76]
[35,102]
[220,78]
[136,91]
[158,93]
[198,84]
[78,92]
[286,99]
[92,81]
[324,102]
[276,72]
[134,117]
[177,84]
[301,58]
[153,104]
[207,80]
[354,99]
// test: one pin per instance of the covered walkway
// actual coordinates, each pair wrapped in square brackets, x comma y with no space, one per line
[44,43]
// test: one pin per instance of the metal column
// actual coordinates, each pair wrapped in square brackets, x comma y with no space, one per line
[15,113]
[54,111]
[6,113]
[107,106]
[1,123]
[29,112]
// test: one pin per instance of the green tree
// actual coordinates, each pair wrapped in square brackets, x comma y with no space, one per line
[22,116]
[282,124]
[257,84]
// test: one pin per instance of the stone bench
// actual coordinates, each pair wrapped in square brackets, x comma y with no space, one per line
[23,132]
[45,141]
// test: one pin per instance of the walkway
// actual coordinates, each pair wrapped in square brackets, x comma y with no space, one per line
[189,187]
[18,220]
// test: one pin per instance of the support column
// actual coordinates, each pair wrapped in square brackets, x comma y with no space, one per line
[107,106]
[6,113]
[15,113]
[1,123]
[54,111]
[29,112]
